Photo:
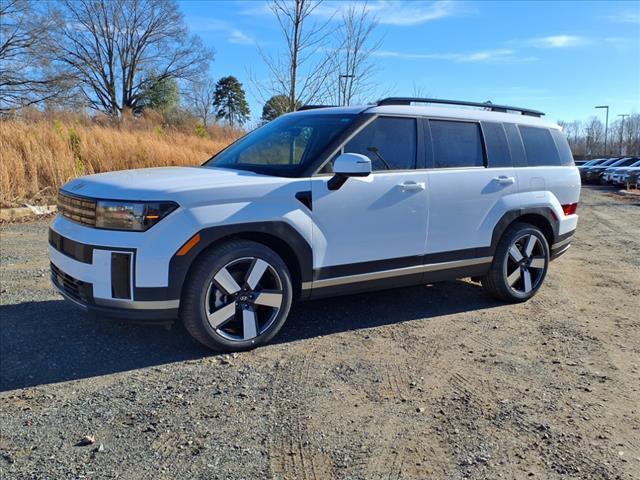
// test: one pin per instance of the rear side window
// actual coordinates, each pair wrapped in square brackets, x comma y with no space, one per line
[539,146]
[497,147]
[456,144]
[387,139]
[566,157]
[515,145]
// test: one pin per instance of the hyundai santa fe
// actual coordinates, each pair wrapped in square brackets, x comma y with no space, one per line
[322,202]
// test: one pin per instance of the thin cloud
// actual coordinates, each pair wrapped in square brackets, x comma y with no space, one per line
[397,13]
[240,38]
[557,41]
[626,17]
[502,55]
[235,35]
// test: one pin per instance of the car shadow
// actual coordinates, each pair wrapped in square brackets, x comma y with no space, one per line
[51,341]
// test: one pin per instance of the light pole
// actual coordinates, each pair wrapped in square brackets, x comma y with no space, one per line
[623,115]
[606,127]
[343,97]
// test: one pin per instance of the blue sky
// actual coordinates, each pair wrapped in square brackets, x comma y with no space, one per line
[559,57]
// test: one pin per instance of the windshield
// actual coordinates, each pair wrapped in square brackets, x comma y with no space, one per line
[608,162]
[284,145]
[622,162]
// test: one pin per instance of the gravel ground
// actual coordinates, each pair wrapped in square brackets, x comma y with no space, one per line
[428,382]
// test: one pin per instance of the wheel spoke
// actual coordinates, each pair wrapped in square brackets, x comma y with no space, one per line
[226,281]
[255,274]
[526,274]
[249,324]
[514,277]
[221,315]
[514,253]
[531,243]
[538,262]
[269,299]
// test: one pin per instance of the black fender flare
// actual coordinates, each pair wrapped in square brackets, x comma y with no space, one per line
[179,265]
[512,215]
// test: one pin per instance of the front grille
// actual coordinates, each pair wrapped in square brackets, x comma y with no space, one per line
[74,288]
[77,209]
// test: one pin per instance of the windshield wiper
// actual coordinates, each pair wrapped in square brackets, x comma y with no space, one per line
[376,152]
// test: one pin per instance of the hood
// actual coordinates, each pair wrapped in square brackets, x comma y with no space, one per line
[164,183]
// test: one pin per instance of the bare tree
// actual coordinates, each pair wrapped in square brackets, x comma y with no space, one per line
[419,91]
[117,48]
[354,67]
[26,78]
[302,72]
[200,97]
[594,133]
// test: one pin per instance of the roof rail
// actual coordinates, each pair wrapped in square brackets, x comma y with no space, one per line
[313,107]
[491,106]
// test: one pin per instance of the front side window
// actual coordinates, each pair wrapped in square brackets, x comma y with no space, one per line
[389,142]
[283,146]
[456,144]
[539,146]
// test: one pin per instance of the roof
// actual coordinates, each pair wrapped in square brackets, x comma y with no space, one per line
[456,113]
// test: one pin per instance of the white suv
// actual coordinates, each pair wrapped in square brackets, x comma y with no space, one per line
[322,202]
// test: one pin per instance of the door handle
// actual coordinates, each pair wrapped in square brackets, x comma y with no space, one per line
[412,186]
[504,180]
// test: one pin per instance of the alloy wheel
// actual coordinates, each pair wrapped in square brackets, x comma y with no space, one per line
[526,264]
[244,298]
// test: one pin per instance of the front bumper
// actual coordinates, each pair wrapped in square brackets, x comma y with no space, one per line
[101,280]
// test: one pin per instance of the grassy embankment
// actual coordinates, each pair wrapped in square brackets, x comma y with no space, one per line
[38,156]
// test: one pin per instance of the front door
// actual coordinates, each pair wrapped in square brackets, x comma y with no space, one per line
[373,223]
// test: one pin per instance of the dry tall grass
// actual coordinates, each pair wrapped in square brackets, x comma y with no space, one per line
[39,156]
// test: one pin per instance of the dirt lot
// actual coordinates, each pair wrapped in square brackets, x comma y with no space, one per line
[429,382]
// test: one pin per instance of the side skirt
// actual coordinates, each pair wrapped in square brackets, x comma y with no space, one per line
[399,277]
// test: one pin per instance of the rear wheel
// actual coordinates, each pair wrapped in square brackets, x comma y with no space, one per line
[237,297]
[520,264]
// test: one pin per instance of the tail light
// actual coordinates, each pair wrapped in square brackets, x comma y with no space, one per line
[570,208]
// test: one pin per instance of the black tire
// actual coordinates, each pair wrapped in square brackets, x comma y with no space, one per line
[503,280]
[200,285]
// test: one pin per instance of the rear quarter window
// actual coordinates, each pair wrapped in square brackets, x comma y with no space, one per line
[566,157]
[539,146]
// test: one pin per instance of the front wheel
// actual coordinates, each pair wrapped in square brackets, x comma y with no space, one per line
[520,264]
[237,297]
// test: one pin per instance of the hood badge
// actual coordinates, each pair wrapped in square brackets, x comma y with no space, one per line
[78,186]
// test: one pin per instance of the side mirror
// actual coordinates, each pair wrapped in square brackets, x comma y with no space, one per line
[348,165]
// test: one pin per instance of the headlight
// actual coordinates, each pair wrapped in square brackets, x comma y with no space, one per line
[135,216]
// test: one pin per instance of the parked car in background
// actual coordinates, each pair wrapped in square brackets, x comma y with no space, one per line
[617,176]
[593,174]
[630,178]
[615,167]
[583,169]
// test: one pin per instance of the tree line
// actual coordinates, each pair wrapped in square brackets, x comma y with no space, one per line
[120,57]
[587,138]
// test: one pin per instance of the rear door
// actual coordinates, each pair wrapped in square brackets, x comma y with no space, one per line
[471,184]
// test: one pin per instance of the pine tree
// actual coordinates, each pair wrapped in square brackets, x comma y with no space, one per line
[162,95]
[229,101]
[276,106]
